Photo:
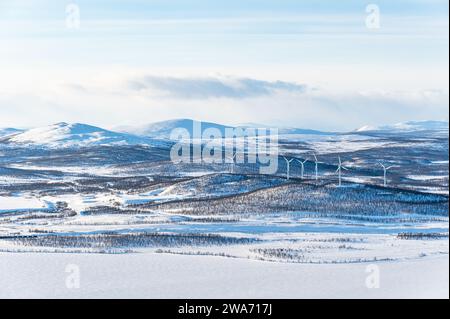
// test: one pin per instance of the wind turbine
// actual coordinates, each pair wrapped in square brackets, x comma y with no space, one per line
[385,169]
[288,166]
[339,170]
[232,158]
[302,171]
[316,167]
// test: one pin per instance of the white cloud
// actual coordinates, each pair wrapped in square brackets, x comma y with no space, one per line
[213,87]
[110,102]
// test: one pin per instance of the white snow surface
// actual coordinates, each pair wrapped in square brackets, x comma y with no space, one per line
[160,276]
[20,203]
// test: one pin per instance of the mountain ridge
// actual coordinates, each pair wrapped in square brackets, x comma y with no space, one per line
[73,135]
[163,129]
[409,126]
[157,134]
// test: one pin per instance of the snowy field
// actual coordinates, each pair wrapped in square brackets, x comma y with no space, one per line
[8,204]
[160,276]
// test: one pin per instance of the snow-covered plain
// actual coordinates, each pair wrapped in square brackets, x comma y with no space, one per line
[21,204]
[160,276]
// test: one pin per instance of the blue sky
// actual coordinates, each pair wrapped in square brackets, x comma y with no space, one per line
[119,9]
[297,63]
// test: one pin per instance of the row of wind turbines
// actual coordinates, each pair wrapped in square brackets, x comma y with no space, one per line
[316,168]
[338,171]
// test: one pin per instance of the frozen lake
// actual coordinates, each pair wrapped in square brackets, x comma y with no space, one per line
[160,276]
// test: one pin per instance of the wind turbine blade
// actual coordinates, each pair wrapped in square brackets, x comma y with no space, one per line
[344,168]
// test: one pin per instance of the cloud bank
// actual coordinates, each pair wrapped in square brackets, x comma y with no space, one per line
[205,88]
[138,99]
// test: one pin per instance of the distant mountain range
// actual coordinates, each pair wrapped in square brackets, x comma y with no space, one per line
[411,126]
[162,130]
[63,135]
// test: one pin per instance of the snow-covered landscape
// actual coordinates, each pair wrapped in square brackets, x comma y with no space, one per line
[74,194]
[239,149]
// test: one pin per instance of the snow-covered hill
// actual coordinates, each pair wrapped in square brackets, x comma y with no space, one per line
[411,126]
[9,131]
[62,135]
[163,129]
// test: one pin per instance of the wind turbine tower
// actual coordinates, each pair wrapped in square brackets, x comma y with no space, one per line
[288,167]
[385,169]
[316,166]
[302,169]
[339,170]
[232,158]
